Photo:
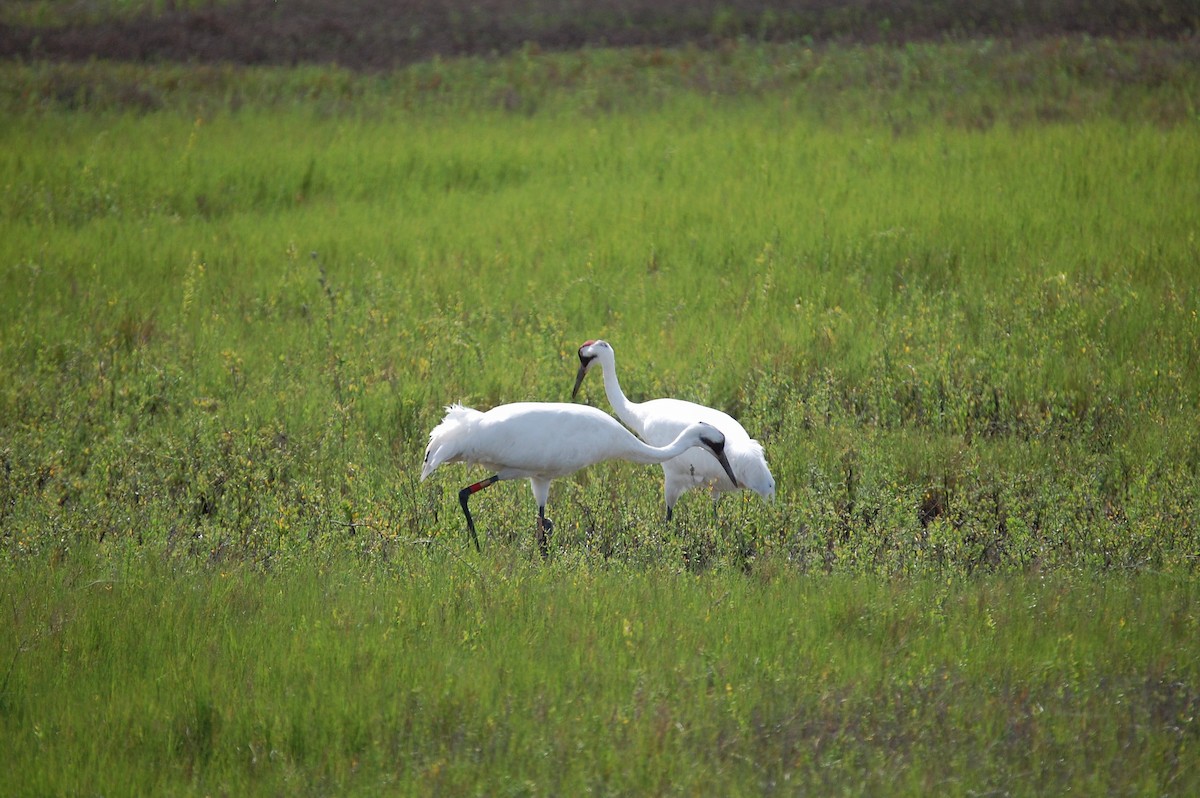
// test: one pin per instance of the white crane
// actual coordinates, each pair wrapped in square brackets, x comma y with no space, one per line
[660,420]
[540,441]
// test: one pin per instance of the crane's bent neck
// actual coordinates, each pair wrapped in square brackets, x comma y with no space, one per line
[646,454]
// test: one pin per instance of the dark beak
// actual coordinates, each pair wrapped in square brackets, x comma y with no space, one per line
[725,464]
[583,368]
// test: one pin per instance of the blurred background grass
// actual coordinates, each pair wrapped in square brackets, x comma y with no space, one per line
[381,34]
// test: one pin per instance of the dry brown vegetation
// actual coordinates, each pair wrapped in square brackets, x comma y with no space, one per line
[381,34]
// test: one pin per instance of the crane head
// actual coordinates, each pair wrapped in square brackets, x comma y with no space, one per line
[714,440]
[588,353]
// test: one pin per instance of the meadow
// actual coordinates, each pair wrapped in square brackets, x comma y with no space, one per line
[951,287]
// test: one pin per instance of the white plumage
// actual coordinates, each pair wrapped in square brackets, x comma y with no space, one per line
[659,420]
[541,441]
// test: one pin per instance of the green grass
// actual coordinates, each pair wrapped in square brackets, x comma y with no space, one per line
[950,288]
[490,676]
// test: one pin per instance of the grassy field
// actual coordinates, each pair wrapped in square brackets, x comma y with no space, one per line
[445,674]
[950,287]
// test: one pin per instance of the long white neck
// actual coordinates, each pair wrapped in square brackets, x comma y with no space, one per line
[625,409]
[641,452]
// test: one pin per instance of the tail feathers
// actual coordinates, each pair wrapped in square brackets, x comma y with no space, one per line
[447,438]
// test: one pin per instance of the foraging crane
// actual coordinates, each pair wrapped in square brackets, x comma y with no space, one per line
[660,420]
[540,441]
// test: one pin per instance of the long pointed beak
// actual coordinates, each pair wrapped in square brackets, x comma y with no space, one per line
[579,379]
[724,461]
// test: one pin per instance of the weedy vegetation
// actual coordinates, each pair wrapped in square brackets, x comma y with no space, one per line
[950,287]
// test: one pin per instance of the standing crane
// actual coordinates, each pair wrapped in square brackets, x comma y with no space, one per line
[660,420]
[541,441]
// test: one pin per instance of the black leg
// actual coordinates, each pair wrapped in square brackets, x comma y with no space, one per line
[670,513]
[544,527]
[465,494]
